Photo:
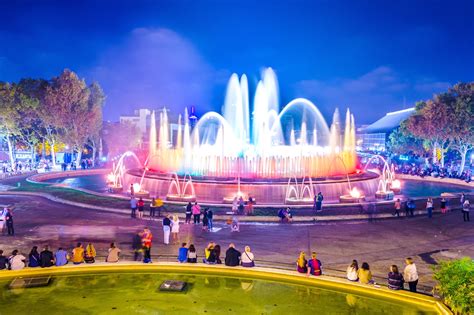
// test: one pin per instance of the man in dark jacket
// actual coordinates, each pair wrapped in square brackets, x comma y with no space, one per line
[232,256]
[46,258]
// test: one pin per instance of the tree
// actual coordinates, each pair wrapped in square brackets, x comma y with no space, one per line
[68,98]
[431,121]
[96,102]
[462,119]
[401,141]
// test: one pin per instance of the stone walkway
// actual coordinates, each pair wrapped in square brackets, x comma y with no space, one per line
[380,242]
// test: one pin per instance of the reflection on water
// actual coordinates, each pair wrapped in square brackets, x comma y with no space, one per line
[127,293]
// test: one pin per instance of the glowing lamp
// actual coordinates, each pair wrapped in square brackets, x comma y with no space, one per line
[396,184]
[136,187]
[355,193]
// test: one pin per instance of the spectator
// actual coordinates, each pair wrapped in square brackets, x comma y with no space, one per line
[46,258]
[61,257]
[133,205]
[9,222]
[352,270]
[205,221]
[137,247]
[210,216]
[3,261]
[166,230]
[192,255]
[189,212]
[207,251]
[443,205]
[16,261]
[314,266]
[364,274]
[319,202]
[395,279]
[214,256]
[141,208]
[196,213]
[183,253]
[147,238]
[159,205]
[152,207]
[429,207]
[3,214]
[302,263]
[235,226]
[89,254]
[175,228]
[232,256]
[247,258]
[465,210]
[78,254]
[113,255]
[397,206]
[410,274]
[34,257]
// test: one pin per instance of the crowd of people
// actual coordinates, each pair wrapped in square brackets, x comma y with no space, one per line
[434,170]
[212,255]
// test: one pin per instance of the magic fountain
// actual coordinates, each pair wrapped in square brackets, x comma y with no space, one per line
[275,156]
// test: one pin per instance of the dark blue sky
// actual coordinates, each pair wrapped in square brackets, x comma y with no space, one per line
[373,56]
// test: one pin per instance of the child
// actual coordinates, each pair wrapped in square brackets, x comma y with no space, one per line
[234,227]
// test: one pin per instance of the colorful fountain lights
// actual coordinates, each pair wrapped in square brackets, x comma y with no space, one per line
[293,142]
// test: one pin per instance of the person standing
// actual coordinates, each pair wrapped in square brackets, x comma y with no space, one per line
[461,200]
[319,202]
[132,190]
[141,208]
[410,274]
[3,214]
[196,213]
[429,207]
[159,205]
[152,207]
[133,206]
[205,221]
[189,212]
[146,243]
[166,230]
[407,208]
[465,210]
[9,222]
[235,205]
[210,215]
[175,228]
[46,258]
[315,201]
[412,207]
[137,247]
[443,205]
[397,206]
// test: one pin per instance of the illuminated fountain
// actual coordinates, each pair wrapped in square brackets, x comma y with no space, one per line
[183,191]
[388,185]
[354,196]
[244,152]
[115,178]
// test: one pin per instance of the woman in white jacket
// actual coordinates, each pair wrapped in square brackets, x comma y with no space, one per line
[352,271]
[410,274]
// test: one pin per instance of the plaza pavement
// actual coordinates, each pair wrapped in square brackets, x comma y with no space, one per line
[381,243]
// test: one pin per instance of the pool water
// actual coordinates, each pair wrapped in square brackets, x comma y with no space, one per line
[137,293]
[410,188]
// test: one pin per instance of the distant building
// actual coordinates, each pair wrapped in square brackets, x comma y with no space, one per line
[139,119]
[374,137]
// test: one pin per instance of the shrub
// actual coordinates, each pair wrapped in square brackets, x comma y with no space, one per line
[456,284]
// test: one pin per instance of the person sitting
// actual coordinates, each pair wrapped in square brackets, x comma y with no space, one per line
[232,256]
[183,253]
[395,279]
[113,255]
[352,271]
[46,257]
[3,261]
[314,266]
[302,263]
[192,256]
[282,214]
[207,251]
[364,274]
[248,259]
[16,261]
[214,256]
[78,254]
[34,257]
[61,257]
[89,254]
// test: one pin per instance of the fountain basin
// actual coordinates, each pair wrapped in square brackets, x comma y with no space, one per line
[351,199]
[115,188]
[294,201]
[180,198]
[384,195]
[142,194]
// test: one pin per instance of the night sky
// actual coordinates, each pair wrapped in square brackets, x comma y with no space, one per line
[371,56]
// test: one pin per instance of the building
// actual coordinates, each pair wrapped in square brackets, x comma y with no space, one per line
[139,119]
[374,137]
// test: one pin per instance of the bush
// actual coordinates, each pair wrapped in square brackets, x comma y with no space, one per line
[456,284]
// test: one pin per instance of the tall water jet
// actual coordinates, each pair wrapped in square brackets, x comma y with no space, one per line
[152,144]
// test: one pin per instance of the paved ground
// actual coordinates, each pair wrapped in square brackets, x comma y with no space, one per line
[381,243]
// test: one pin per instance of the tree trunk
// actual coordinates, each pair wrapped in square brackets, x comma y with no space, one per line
[463,152]
[101,149]
[43,150]
[10,150]
[78,158]
[435,155]
[94,153]
[53,152]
